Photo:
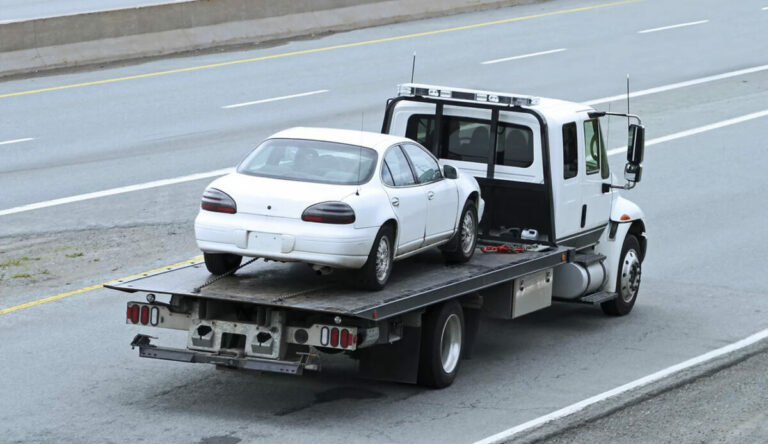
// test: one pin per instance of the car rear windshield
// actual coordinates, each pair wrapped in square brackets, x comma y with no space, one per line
[311,161]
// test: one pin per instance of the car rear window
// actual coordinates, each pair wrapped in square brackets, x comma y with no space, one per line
[310,161]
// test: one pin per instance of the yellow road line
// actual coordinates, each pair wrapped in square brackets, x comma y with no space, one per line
[93,287]
[323,49]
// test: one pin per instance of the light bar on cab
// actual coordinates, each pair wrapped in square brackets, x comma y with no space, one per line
[472,95]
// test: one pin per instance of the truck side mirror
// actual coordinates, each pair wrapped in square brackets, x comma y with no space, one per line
[633,171]
[450,172]
[636,144]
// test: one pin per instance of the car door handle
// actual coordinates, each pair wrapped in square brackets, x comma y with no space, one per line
[430,195]
[395,202]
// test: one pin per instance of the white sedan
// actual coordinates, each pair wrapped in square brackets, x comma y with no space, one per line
[338,199]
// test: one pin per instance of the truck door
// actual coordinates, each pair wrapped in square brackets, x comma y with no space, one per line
[407,199]
[441,194]
[569,205]
[596,203]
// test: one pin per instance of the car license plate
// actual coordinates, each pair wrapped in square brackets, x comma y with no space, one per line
[270,242]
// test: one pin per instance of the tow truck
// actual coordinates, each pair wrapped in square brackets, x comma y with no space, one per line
[555,228]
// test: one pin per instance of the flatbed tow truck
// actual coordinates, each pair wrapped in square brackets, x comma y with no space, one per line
[543,172]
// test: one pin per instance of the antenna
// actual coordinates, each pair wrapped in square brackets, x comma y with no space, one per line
[360,153]
[627,101]
[413,65]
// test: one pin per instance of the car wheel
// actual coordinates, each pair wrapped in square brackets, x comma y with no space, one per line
[461,247]
[378,267]
[628,279]
[441,345]
[220,263]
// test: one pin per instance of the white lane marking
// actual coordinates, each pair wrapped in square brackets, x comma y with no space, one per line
[637,383]
[699,130]
[524,56]
[176,180]
[672,86]
[275,99]
[8,142]
[679,25]
[113,191]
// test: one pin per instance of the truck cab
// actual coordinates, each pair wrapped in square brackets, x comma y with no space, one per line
[543,170]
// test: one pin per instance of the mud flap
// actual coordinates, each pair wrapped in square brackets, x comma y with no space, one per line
[397,362]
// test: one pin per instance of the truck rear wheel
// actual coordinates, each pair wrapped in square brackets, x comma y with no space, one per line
[442,343]
[220,263]
[627,280]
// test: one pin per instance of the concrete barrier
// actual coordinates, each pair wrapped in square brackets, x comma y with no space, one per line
[124,34]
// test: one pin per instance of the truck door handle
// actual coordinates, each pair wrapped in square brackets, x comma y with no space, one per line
[430,195]
[395,202]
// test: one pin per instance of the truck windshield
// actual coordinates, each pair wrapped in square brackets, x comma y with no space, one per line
[310,161]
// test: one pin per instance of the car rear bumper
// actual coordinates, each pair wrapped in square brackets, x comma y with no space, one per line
[341,246]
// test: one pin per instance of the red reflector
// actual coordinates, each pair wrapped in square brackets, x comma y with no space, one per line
[144,315]
[345,339]
[128,312]
[313,218]
[335,337]
[134,313]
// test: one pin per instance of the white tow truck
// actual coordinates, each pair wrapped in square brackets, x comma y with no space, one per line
[555,228]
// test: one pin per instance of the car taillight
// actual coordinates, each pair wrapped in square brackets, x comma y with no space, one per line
[218,201]
[329,213]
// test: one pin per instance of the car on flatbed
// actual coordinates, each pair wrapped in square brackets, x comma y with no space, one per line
[338,199]
[550,201]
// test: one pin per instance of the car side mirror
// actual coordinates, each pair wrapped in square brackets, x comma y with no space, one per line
[450,172]
[635,151]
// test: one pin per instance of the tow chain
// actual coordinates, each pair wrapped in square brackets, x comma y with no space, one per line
[222,276]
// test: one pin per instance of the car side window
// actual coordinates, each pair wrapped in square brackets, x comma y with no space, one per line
[386,175]
[426,167]
[398,167]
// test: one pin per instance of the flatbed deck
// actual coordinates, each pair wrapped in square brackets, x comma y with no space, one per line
[415,283]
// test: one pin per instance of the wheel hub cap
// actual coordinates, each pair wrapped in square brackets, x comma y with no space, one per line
[382,259]
[450,343]
[630,276]
[467,233]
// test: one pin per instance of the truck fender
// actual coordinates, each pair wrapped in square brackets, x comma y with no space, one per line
[611,242]
[624,210]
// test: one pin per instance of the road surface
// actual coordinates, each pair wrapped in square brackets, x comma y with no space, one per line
[68,373]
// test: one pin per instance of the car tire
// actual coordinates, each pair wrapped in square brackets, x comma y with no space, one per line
[220,263]
[442,345]
[378,267]
[461,247]
[627,280]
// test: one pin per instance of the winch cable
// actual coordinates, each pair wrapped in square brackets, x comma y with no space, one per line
[222,276]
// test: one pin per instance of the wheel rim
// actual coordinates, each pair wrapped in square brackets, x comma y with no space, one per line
[382,259]
[630,276]
[468,233]
[450,343]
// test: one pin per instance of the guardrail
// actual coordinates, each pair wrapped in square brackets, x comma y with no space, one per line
[122,34]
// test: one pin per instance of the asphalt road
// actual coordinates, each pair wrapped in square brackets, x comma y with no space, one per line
[68,372]
[13,10]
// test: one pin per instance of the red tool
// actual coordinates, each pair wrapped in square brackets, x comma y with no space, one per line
[501,249]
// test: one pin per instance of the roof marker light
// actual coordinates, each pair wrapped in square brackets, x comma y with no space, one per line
[471,95]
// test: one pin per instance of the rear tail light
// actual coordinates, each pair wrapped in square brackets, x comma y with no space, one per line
[345,338]
[329,213]
[144,315]
[334,337]
[218,201]
[133,313]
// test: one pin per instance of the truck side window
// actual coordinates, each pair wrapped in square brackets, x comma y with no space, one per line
[592,145]
[468,139]
[514,146]
[399,167]
[570,151]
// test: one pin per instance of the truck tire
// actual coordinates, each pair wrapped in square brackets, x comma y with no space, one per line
[378,267]
[627,279]
[220,263]
[461,247]
[442,344]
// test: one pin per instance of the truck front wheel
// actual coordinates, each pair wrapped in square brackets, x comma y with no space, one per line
[441,345]
[627,280]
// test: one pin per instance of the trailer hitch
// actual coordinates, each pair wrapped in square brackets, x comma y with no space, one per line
[142,341]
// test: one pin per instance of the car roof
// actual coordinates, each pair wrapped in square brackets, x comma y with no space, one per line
[376,141]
